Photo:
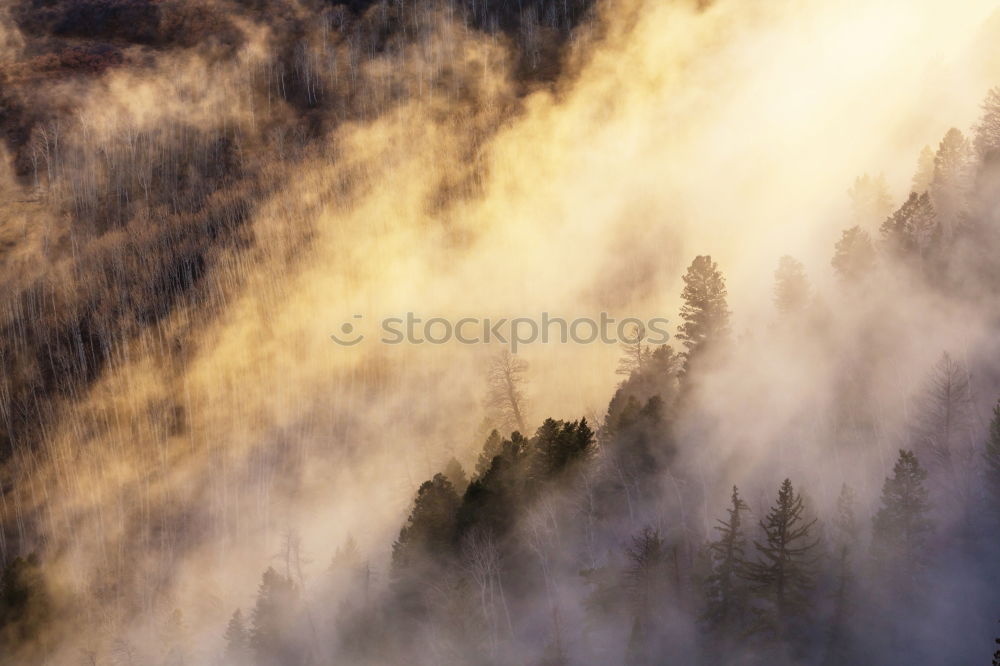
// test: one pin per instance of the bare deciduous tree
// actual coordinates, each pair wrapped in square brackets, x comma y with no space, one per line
[505,395]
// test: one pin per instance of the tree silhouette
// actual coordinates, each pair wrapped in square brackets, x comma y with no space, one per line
[635,354]
[454,472]
[783,577]
[987,139]
[901,526]
[912,230]
[430,529]
[646,574]
[237,640]
[726,593]
[272,623]
[854,255]
[924,175]
[505,390]
[952,179]
[559,444]
[705,313]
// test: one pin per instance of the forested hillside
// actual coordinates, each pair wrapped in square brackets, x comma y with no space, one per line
[195,195]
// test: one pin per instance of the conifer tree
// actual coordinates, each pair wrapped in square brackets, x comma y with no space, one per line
[924,175]
[911,231]
[726,593]
[705,313]
[430,528]
[237,641]
[949,190]
[901,526]
[987,140]
[854,255]
[454,473]
[783,578]
[272,636]
[645,579]
[944,418]
[558,444]
[491,449]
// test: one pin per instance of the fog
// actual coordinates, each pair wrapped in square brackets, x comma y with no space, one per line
[188,216]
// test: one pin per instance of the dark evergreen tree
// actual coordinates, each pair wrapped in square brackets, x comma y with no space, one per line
[557,445]
[273,639]
[429,532]
[854,255]
[454,473]
[646,576]
[783,578]
[725,586]
[705,312]
[492,499]
[901,526]
[987,139]
[791,286]
[491,449]
[912,231]
[237,641]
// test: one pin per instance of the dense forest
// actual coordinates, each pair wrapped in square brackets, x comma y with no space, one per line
[193,195]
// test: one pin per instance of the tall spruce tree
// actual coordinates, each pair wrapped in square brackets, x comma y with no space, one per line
[901,526]
[950,188]
[237,641]
[272,629]
[726,591]
[646,574]
[784,576]
[491,449]
[987,139]
[430,530]
[705,312]
[854,256]
[911,232]
[924,175]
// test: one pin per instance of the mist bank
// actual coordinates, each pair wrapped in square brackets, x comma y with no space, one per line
[195,198]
